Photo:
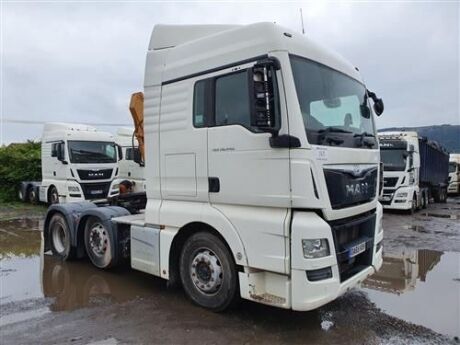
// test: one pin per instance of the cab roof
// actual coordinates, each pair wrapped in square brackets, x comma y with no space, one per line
[194,48]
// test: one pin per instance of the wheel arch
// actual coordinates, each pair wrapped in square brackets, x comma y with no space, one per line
[105,215]
[230,239]
[71,213]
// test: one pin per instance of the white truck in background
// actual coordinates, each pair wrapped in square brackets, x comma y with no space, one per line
[79,163]
[454,173]
[130,178]
[415,170]
[242,199]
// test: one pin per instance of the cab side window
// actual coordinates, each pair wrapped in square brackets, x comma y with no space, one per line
[199,104]
[232,105]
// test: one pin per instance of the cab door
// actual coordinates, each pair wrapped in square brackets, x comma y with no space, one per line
[243,167]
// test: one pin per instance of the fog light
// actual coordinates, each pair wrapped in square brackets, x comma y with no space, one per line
[317,248]
[73,188]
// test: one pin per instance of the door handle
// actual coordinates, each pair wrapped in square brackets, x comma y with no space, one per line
[214,184]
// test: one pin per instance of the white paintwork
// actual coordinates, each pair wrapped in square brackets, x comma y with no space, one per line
[260,186]
[63,176]
[454,177]
[145,253]
[127,168]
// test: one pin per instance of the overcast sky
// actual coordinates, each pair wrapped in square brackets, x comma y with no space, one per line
[79,62]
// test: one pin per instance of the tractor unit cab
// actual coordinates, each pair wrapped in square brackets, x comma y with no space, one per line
[130,177]
[414,171]
[78,163]
[454,173]
[261,167]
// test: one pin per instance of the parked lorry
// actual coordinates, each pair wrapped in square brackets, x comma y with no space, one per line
[79,163]
[415,171]
[242,199]
[454,173]
[130,178]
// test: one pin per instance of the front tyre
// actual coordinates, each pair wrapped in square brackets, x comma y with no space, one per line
[98,243]
[59,238]
[53,196]
[208,272]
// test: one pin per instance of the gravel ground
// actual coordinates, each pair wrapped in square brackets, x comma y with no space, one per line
[44,300]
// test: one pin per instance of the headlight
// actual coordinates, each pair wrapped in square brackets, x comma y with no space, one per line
[317,248]
[116,186]
[401,195]
[73,188]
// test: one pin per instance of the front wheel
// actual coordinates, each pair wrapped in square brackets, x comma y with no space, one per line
[208,272]
[53,196]
[98,243]
[413,207]
[32,195]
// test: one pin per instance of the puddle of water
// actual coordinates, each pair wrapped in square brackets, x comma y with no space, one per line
[419,286]
[437,215]
[78,284]
[25,274]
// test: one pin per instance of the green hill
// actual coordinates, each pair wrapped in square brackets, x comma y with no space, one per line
[447,135]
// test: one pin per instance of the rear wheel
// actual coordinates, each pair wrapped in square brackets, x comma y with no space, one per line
[208,272]
[98,243]
[59,237]
[53,196]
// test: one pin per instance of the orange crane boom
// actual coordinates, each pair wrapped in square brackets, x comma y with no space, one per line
[136,107]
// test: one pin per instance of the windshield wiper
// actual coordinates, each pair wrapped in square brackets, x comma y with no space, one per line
[364,134]
[324,135]
[365,139]
[332,130]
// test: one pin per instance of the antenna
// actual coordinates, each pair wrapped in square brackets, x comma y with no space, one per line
[301,21]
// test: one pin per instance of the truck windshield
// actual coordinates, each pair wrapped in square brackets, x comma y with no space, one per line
[452,167]
[393,160]
[333,105]
[92,152]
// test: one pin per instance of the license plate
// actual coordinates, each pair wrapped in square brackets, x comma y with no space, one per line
[96,192]
[358,249]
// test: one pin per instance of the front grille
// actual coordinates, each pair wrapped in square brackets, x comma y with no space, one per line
[346,189]
[95,190]
[348,233]
[96,174]
[390,181]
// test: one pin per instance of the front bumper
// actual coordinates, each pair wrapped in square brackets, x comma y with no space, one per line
[391,200]
[453,188]
[308,295]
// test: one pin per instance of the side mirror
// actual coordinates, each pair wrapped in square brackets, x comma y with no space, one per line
[378,103]
[137,157]
[54,150]
[60,152]
[120,152]
[264,95]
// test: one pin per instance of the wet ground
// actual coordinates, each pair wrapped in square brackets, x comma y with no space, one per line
[414,299]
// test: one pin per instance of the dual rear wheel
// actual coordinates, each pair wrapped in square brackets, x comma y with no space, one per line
[206,267]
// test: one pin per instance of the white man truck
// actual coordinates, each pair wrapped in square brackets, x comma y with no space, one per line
[415,170]
[130,176]
[78,163]
[454,173]
[262,172]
